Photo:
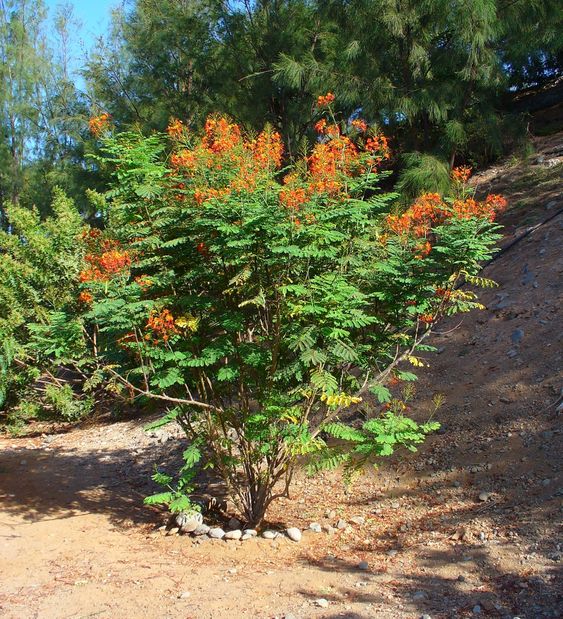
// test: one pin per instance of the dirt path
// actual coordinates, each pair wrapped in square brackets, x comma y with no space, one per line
[76,542]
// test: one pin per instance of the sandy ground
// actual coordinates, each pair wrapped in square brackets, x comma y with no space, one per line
[76,541]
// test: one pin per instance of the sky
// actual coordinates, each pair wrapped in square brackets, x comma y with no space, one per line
[94,16]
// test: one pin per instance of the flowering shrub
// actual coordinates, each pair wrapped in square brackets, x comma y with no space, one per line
[265,304]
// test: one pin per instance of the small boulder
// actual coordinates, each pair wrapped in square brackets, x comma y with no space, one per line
[485,496]
[236,534]
[363,565]
[321,603]
[189,521]
[234,523]
[315,526]
[359,520]
[341,524]
[216,533]
[203,529]
[269,534]
[294,534]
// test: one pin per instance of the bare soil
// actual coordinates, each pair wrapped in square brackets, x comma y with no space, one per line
[77,542]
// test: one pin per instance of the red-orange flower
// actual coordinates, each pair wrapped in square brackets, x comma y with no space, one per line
[99,124]
[360,125]
[176,129]
[85,297]
[320,126]
[267,151]
[325,100]
[427,318]
[461,174]
[162,325]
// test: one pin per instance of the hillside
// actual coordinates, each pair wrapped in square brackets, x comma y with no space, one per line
[466,527]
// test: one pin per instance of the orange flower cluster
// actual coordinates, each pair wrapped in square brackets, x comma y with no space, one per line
[325,100]
[224,148]
[419,218]
[461,174]
[221,136]
[176,129]
[329,161]
[360,125]
[104,257]
[430,209]
[293,198]
[488,209]
[99,124]
[323,128]
[209,193]
[427,318]
[423,250]
[267,149]
[106,265]
[443,293]
[379,146]
[183,159]
[162,326]
[85,297]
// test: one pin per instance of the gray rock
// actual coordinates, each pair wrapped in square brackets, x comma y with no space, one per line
[203,529]
[236,534]
[315,526]
[329,529]
[321,603]
[363,565]
[392,553]
[330,513]
[189,521]
[517,336]
[425,617]
[173,531]
[184,595]
[270,534]
[395,505]
[289,616]
[461,578]
[341,524]
[512,353]
[294,534]
[234,523]
[359,520]
[419,595]
[216,533]
[476,609]
[484,496]
[250,532]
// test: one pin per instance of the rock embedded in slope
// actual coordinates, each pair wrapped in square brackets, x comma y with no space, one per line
[203,529]
[316,527]
[234,535]
[294,534]
[216,533]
